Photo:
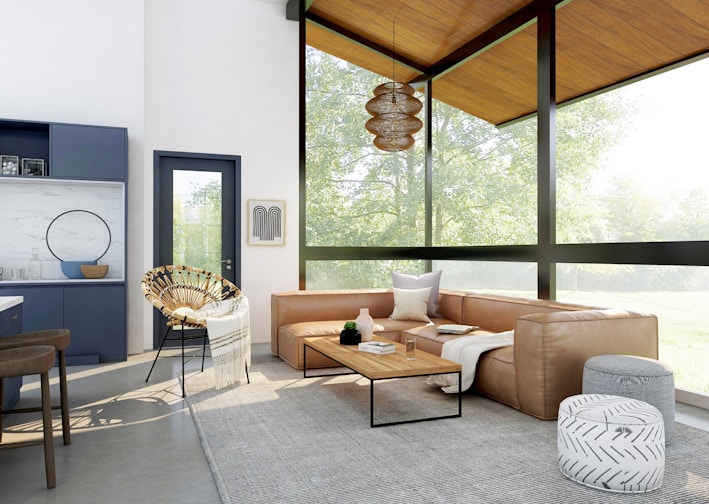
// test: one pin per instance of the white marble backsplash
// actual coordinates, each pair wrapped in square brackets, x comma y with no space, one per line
[28,207]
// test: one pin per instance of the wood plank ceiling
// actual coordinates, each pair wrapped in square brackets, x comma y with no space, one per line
[481,54]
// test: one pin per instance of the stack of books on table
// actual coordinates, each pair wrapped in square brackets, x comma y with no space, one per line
[377,347]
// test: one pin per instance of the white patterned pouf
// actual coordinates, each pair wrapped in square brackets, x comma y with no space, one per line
[611,443]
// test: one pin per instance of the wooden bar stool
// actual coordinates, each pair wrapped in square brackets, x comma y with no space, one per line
[31,360]
[59,339]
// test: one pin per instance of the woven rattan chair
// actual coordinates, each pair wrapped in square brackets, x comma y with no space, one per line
[171,289]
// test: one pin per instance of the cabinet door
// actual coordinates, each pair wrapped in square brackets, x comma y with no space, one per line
[87,152]
[11,320]
[96,317]
[42,308]
[10,324]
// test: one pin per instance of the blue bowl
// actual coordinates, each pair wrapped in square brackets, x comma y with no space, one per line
[72,269]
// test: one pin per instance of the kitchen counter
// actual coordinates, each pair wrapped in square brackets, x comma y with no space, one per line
[9,301]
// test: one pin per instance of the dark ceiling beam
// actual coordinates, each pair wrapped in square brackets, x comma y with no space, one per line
[343,32]
[293,10]
[501,30]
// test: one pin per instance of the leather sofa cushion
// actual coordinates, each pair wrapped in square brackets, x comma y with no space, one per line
[499,313]
[431,341]
[495,376]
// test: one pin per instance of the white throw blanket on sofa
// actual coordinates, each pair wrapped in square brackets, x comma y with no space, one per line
[466,350]
[229,338]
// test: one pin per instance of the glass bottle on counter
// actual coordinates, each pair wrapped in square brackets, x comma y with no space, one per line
[35,265]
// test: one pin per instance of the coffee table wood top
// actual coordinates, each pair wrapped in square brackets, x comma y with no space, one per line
[376,367]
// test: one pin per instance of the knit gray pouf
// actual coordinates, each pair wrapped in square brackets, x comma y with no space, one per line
[646,380]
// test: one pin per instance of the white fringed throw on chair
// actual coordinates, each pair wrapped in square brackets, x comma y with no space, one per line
[229,338]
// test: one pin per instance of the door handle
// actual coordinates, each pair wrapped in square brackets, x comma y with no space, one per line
[228,263]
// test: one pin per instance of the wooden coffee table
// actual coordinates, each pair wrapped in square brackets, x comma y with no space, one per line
[382,367]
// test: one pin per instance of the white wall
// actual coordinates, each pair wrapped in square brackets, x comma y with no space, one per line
[81,61]
[207,76]
[221,77]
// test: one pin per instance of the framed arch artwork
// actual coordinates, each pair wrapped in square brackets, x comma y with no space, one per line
[267,222]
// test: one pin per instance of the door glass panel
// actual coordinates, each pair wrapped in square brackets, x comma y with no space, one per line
[197,219]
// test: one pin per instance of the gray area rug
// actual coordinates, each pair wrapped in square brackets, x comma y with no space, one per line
[285,439]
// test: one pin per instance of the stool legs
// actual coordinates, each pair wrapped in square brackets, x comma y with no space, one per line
[2,401]
[64,398]
[34,360]
[47,431]
[48,435]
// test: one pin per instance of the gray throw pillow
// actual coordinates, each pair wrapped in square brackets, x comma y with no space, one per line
[432,280]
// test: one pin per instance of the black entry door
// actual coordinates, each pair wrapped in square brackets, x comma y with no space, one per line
[197,218]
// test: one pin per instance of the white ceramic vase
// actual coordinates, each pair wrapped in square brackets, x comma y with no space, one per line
[365,324]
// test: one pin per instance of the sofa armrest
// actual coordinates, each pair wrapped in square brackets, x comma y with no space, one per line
[550,350]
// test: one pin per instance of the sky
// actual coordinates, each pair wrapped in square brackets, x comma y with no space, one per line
[667,148]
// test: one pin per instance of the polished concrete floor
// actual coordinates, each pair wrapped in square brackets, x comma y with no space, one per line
[131,441]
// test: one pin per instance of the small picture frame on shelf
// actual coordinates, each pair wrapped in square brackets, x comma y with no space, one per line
[34,167]
[9,165]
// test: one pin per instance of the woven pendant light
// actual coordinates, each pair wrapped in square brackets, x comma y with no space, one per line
[393,144]
[394,108]
[393,97]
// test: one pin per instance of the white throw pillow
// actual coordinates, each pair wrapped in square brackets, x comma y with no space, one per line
[411,304]
[432,280]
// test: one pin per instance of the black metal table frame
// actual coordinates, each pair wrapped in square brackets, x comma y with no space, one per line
[371,389]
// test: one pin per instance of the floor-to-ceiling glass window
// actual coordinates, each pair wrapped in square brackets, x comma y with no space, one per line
[648,183]
[356,195]
[484,180]
[630,167]
[677,295]
[648,177]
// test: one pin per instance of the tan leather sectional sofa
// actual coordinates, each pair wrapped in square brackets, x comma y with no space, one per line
[552,340]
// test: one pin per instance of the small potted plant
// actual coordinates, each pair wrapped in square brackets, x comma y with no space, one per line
[350,335]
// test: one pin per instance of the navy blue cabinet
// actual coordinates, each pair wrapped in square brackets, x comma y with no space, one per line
[73,151]
[42,307]
[93,310]
[11,323]
[11,320]
[87,152]
[24,139]
[95,315]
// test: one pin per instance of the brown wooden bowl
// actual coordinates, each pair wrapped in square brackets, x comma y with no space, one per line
[94,270]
